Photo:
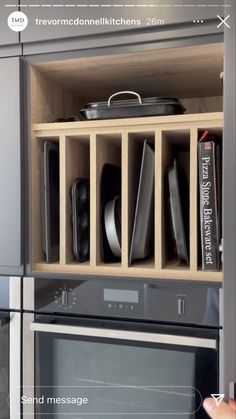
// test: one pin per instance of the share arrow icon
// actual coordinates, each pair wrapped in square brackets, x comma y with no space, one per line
[218,398]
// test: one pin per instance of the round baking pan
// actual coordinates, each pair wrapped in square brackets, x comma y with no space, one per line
[112,225]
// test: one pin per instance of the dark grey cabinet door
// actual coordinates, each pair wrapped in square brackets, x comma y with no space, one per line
[229,207]
[10,168]
[50,20]
[7,36]
[9,40]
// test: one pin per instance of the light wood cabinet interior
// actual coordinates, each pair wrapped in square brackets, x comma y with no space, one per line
[84,148]
[61,88]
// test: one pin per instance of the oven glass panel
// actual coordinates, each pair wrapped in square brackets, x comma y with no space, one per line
[4,365]
[120,380]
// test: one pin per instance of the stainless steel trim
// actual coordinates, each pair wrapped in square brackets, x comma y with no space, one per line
[15,365]
[221,306]
[15,293]
[124,335]
[28,293]
[221,362]
[28,364]
[232,390]
[221,342]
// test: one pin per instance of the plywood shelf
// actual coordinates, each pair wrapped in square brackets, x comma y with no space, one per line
[202,120]
[84,148]
[132,272]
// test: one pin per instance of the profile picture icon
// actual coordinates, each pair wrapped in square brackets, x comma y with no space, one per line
[17,21]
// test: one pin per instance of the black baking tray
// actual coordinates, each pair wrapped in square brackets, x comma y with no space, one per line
[130,108]
[50,200]
[178,220]
[142,237]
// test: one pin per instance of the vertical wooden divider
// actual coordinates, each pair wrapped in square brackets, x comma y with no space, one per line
[63,205]
[158,200]
[93,200]
[124,200]
[193,212]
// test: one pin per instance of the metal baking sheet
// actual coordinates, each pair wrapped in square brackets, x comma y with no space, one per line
[177,213]
[142,236]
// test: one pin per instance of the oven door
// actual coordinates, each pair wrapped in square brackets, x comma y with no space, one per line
[10,365]
[108,369]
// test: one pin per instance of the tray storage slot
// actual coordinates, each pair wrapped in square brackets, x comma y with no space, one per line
[108,199]
[76,202]
[45,193]
[141,175]
[175,218]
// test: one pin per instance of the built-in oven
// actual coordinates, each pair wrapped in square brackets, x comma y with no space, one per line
[123,349]
[10,347]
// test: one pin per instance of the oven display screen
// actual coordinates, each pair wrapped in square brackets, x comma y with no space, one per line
[122,296]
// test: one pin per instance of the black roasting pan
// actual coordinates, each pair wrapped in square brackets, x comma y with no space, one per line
[131,108]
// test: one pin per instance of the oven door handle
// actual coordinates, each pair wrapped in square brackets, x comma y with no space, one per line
[165,339]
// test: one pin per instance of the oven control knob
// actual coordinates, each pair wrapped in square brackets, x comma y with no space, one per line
[64,297]
[181,306]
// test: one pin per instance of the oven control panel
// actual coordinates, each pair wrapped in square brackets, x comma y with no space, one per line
[120,306]
[65,298]
[109,301]
[129,299]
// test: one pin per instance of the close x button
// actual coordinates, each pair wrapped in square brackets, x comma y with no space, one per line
[223,21]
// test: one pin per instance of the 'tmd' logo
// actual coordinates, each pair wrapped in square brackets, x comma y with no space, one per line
[17,21]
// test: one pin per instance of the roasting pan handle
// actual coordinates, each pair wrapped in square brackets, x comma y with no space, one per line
[125,92]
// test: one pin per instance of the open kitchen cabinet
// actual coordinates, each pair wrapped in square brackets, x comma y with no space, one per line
[59,89]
